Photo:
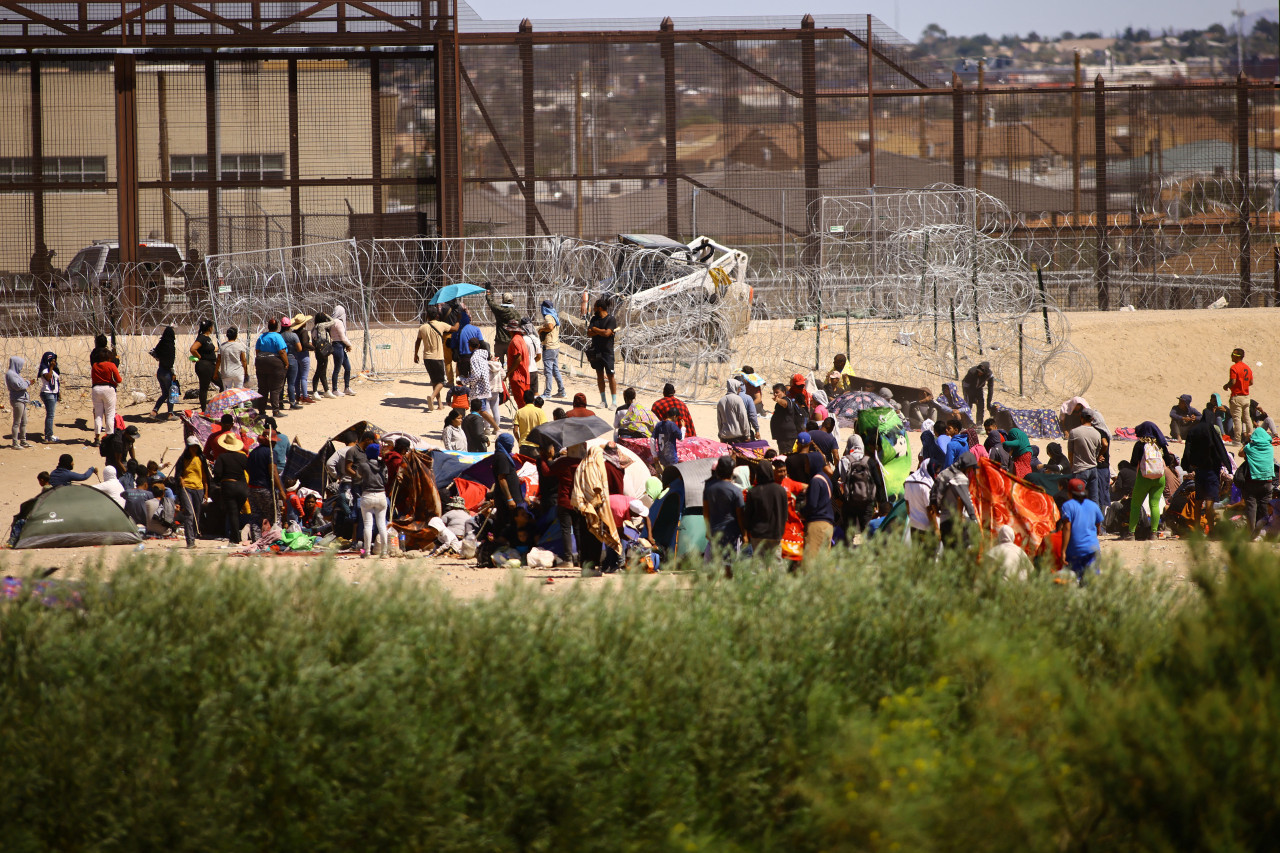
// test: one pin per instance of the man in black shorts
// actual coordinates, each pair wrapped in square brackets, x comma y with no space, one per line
[601,331]
[431,340]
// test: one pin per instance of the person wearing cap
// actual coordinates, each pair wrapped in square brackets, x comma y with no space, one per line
[271,364]
[518,361]
[529,417]
[1182,417]
[118,447]
[265,489]
[799,392]
[602,331]
[1239,381]
[293,347]
[949,501]
[230,474]
[193,481]
[305,348]
[504,314]
[1081,526]
[431,341]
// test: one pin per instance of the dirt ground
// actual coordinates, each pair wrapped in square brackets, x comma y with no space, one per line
[1141,362]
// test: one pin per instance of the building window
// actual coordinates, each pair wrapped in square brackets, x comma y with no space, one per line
[188,167]
[57,170]
[235,167]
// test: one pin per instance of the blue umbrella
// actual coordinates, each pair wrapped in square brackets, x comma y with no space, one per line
[450,292]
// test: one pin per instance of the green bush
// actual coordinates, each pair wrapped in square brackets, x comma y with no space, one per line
[882,700]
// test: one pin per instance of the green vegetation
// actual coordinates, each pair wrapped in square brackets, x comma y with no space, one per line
[886,703]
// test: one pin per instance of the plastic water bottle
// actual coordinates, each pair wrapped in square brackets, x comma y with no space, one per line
[401,543]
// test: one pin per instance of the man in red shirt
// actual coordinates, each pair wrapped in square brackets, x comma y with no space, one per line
[1238,382]
[671,403]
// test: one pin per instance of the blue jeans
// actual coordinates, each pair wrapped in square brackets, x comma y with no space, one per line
[50,405]
[1104,486]
[165,378]
[1081,563]
[291,379]
[1090,478]
[341,362]
[304,371]
[551,370]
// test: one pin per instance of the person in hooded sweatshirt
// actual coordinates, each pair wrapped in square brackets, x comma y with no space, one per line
[341,346]
[18,399]
[111,485]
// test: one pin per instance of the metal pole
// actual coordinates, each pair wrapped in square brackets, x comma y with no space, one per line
[871,111]
[1242,167]
[162,121]
[667,46]
[957,130]
[979,125]
[577,154]
[955,344]
[1100,192]
[295,172]
[1275,285]
[1075,145]
[1044,305]
[1019,359]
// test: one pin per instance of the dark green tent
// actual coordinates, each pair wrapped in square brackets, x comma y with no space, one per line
[72,516]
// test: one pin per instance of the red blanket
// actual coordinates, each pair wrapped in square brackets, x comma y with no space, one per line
[1000,498]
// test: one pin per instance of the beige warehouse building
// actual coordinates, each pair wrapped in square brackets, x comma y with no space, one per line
[78,126]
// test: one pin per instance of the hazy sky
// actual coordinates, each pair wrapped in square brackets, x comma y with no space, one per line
[993,18]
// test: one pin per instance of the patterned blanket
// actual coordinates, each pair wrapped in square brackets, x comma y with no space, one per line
[1000,498]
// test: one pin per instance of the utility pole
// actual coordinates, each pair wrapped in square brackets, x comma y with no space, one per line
[1239,16]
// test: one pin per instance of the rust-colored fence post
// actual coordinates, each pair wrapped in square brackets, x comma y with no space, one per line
[1075,145]
[449,212]
[375,142]
[1275,281]
[1100,192]
[1246,205]
[672,164]
[809,141]
[295,171]
[37,157]
[211,154]
[527,129]
[957,130]
[126,83]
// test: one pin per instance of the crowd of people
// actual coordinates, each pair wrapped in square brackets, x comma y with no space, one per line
[815,487]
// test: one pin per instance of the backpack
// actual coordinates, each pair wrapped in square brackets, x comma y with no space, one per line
[1151,465]
[859,487]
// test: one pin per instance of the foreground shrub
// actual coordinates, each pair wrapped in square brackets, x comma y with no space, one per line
[881,701]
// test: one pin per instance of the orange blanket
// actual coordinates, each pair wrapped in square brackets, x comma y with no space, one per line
[1000,498]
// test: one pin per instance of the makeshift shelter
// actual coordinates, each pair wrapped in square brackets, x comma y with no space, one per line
[74,516]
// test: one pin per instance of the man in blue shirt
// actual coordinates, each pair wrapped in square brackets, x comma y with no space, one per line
[65,473]
[1081,525]
[272,365]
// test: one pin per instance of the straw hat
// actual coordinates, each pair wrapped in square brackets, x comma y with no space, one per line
[301,319]
[228,441]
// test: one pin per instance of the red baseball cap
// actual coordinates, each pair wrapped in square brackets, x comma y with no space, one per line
[797,379]
[1077,487]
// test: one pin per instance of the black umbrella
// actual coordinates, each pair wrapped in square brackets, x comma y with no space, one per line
[567,432]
